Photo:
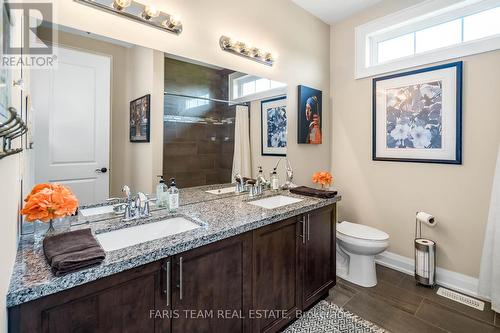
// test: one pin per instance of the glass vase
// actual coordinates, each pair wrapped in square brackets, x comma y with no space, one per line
[51,231]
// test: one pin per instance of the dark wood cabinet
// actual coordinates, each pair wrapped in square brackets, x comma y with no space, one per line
[119,303]
[276,275]
[318,254]
[254,282]
[212,287]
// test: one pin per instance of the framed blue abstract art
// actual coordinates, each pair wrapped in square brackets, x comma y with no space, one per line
[417,116]
[274,126]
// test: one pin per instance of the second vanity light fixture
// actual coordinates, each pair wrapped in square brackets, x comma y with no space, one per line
[147,14]
[242,49]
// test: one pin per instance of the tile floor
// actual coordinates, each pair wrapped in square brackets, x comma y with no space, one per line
[397,304]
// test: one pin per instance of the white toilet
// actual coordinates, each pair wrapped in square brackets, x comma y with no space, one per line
[357,246]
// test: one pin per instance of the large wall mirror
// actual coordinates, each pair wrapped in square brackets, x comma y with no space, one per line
[111,114]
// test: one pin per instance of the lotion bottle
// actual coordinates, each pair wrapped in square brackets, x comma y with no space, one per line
[173,196]
[161,193]
[275,182]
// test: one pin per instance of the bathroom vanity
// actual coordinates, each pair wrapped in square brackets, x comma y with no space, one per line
[246,269]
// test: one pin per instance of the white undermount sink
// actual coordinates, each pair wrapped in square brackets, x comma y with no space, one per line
[222,190]
[119,239]
[97,210]
[275,202]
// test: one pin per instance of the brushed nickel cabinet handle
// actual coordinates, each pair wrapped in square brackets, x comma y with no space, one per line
[180,278]
[308,226]
[303,235]
[166,289]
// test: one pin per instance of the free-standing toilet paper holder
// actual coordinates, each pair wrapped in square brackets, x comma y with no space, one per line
[425,252]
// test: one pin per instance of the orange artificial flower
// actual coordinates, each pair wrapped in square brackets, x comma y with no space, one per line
[49,201]
[322,177]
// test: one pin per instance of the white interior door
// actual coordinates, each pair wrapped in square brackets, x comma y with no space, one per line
[71,105]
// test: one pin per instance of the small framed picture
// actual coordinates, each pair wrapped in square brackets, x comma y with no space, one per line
[274,126]
[310,113]
[417,116]
[140,119]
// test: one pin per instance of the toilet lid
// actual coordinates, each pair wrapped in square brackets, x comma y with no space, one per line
[361,231]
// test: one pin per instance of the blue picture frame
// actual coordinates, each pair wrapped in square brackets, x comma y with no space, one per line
[274,126]
[417,115]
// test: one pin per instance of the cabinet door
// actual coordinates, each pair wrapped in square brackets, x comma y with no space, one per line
[212,287]
[276,275]
[125,302]
[319,254]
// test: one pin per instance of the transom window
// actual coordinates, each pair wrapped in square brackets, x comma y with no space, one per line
[427,33]
[243,85]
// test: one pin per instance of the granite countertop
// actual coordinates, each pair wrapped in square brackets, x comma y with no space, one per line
[228,216]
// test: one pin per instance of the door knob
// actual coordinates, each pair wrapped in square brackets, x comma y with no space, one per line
[101,170]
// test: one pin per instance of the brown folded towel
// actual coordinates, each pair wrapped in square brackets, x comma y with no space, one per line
[72,251]
[312,192]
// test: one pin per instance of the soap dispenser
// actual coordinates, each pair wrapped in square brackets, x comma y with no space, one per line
[173,196]
[161,193]
[275,182]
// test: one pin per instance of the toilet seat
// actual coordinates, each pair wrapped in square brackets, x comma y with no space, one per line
[361,232]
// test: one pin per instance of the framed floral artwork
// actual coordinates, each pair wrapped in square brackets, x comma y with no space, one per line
[417,116]
[274,127]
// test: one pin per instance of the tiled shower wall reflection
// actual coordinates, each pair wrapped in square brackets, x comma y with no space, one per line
[198,134]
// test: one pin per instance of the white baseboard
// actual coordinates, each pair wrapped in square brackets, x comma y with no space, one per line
[456,281]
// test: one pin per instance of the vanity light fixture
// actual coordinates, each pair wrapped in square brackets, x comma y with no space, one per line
[146,14]
[244,50]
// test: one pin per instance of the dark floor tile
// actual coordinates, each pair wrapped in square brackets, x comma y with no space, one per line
[396,296]
[388,275]
[351,286]
[387,316]
[408,283]
[451,320]
[339,295]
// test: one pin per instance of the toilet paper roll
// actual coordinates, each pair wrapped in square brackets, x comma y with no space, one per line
[426,218]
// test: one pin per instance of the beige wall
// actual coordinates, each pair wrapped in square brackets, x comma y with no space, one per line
[299,40]
[386,195]
[145,76]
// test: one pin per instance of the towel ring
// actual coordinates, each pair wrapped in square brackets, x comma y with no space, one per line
[10,152]
[12,116]
[18,125]
[14,134]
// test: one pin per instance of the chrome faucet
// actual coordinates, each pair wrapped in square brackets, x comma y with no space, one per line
[137,208]
[289,176]
[251,187]
[240,183]
[262,183]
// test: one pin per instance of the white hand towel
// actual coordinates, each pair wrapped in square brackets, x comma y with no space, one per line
[489,276]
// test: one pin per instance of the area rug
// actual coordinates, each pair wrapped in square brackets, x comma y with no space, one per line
[326,317]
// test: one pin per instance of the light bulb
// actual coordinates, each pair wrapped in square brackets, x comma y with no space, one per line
[268,57]
[241,47]
[150,12]
[255,52]
[172,22]
[226,43]
[121,4]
